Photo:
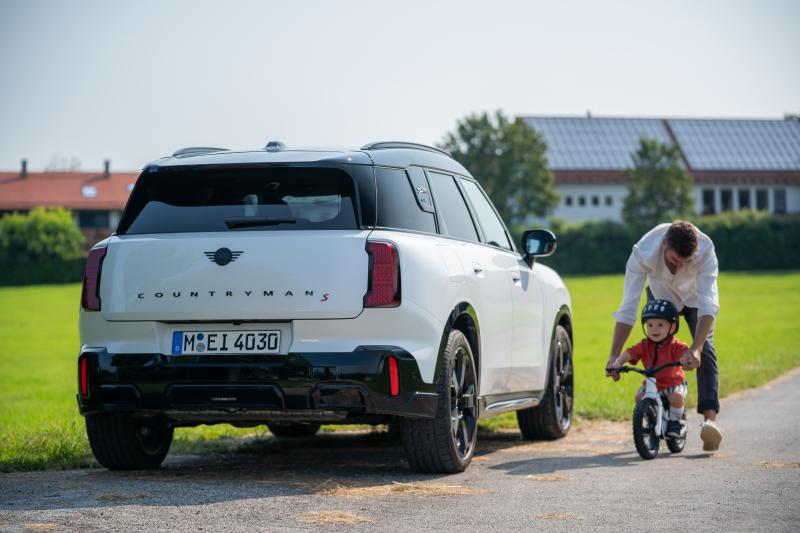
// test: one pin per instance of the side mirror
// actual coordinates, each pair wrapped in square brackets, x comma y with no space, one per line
[538,243]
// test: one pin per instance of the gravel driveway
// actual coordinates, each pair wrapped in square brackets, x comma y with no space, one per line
[592,480]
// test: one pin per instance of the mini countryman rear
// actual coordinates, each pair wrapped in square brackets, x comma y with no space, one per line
[296,288]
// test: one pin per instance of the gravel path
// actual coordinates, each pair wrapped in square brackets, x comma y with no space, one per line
[592,480]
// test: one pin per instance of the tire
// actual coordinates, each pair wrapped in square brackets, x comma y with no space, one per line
[552,418]
[445,444]
[121,442]
[644,428]
[293,430]
[677,445]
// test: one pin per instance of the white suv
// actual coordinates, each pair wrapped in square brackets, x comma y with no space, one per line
[295,288]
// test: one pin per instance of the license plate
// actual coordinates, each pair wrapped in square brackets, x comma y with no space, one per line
[225,342]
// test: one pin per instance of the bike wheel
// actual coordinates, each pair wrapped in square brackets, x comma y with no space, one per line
[677,445]
[645,422]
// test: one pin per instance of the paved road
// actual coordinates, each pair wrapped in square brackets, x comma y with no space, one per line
[593,480]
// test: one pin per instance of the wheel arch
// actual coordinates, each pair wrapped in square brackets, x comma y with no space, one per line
[464,319]
[564,319]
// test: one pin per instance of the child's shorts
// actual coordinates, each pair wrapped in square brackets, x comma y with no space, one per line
[682,389]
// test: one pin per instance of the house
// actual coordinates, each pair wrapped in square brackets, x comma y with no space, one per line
[95,198]
[736,164]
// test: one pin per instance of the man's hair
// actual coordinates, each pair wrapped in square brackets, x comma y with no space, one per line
[682,238]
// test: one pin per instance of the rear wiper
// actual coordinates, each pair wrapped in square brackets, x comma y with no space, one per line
[244,222]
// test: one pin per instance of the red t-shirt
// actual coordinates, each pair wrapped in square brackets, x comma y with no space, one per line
[669,351]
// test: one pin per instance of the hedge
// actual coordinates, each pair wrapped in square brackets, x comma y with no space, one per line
[44,246]
[745,240]
[41,246]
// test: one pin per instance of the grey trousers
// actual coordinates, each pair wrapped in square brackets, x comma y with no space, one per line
[708,373]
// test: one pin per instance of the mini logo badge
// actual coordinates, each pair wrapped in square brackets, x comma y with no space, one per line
[223,256]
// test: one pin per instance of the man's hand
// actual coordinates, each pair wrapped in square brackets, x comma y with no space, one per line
[691,358]
[611,364]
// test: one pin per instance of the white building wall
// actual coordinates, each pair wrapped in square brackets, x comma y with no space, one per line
[582,202]
[792,194]
[571,209]
[793,199]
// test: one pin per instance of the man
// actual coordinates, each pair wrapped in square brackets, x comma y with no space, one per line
[680,265]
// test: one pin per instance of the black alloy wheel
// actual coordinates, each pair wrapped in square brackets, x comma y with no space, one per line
[552,418]
[463,398]
[121,442]
[563,382]
[445,444]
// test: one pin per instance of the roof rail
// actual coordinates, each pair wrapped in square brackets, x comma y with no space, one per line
[383,145]
[197,150]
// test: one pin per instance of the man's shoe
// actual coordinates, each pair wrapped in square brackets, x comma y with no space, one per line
[676,429]
[711,436]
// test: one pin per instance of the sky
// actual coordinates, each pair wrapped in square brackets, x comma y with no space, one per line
[82,81]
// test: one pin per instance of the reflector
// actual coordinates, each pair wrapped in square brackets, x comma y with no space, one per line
[394,377]
[84,378]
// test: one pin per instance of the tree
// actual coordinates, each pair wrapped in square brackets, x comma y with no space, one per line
[659,189]
[508,159]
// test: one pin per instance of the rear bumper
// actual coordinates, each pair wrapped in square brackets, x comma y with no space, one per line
[298,387]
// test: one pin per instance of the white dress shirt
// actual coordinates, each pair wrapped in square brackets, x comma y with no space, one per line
[693,285]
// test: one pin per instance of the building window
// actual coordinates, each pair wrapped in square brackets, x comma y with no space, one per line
[568,201]
[708,202]
[581,200]
[779,199]
[726,199]
[609,201]
[744,199]
[93,219]
[595,200]
[761,200]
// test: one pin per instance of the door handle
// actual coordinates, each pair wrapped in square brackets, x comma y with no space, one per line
[515,277]
[477,268]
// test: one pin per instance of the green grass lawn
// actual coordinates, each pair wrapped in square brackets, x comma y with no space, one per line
[757,339]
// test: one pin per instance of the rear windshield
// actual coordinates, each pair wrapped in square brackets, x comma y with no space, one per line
[250,199]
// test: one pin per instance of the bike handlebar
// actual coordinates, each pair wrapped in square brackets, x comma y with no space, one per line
[647,372]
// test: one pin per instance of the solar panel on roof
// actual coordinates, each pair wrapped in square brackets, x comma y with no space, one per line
[739,144]
[595,143]
[583,143]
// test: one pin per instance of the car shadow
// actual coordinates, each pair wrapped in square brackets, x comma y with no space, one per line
[330,465]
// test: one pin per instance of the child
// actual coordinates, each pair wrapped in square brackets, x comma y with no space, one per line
[660,323]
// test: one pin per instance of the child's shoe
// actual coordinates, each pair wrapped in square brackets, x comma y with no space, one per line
[676,429]
[711,436]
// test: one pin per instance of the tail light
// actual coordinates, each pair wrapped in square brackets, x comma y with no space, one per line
[83,376]
[90,296]
[384,276]
[394,377]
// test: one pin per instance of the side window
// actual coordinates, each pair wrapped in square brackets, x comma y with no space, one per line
[398,206]
[493,229]
[452,207]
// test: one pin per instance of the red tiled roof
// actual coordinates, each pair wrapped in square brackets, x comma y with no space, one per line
[65,189]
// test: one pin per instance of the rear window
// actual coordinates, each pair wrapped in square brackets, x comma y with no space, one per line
[196,200]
